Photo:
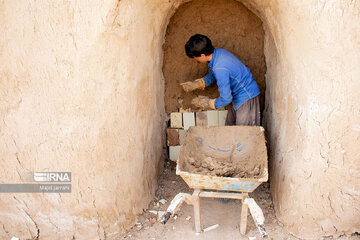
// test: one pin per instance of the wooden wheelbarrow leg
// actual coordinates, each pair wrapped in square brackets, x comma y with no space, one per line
[244,213]
[197,217]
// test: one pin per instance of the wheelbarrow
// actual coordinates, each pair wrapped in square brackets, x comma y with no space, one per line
[244,148]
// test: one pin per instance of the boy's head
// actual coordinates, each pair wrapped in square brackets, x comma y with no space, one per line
[198,45]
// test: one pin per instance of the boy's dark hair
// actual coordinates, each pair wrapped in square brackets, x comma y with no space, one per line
[198,44]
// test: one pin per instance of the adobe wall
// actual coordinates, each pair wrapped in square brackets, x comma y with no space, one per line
[81,91]
[312,114]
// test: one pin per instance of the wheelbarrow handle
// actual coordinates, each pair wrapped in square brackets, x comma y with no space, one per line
[175,203]
[166,217]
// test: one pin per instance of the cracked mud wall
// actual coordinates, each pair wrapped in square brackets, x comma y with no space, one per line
[312,114]
[80,90]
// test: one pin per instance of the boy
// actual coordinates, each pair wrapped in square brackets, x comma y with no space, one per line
[235,82]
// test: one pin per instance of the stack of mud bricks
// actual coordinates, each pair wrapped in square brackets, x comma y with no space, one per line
[181,121]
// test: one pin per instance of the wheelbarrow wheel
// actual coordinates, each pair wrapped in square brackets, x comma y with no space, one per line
[224,200]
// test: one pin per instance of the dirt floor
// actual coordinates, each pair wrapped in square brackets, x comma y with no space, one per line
[227,215]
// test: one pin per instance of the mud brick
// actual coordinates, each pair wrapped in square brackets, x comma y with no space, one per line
[189,119]
[222,117]
[201,119]
[172,136]
[182,135]
[212,118]
[176,120]
[174,153]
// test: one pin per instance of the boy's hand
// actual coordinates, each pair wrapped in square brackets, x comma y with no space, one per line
[191,86]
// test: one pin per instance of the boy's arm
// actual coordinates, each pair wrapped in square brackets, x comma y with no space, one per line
[209,79]
[222,76]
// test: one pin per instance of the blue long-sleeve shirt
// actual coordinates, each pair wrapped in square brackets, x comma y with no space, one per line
[235,81]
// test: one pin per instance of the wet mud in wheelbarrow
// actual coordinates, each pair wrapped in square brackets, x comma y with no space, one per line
[232,158]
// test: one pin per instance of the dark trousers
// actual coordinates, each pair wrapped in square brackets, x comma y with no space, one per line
[247,114]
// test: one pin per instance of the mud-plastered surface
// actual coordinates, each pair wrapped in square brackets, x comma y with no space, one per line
[229,151]
[229,25]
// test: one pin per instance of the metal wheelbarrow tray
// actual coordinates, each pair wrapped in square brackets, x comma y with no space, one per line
[239,142]
[218,158]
